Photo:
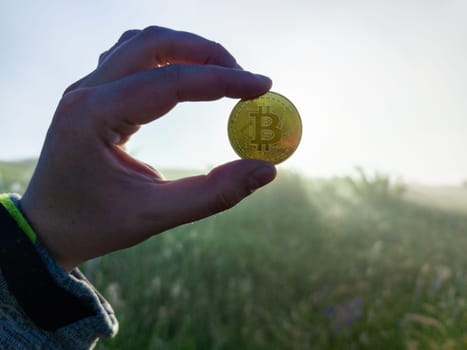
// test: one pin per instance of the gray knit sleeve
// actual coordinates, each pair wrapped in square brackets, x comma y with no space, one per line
[18,331]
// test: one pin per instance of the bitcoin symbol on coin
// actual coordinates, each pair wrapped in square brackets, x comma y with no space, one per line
[268,128]
[267,131]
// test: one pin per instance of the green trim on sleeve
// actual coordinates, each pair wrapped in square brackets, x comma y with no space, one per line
[23,224]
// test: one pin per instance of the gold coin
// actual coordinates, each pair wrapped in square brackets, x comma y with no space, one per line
[267,128]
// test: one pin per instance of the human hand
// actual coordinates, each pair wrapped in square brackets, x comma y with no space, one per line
[87,196]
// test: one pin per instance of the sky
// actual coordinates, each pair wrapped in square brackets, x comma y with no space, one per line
[378,84]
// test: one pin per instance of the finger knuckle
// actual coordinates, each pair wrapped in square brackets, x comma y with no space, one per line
[224,200]
[220,55]
[149,37]
[172,74]
[217,48]
[70,88]
[74,108]
[75,99]
[102,56]
[152,33]
[225,195]
[128,34]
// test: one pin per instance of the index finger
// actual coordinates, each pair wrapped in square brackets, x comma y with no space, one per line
[157,46]
[145,96]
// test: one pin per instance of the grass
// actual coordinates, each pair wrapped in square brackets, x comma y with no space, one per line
[302,264]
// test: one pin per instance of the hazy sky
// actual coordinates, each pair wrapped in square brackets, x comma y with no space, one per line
[379,84]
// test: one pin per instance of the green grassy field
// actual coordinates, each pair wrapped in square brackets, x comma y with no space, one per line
[302,264]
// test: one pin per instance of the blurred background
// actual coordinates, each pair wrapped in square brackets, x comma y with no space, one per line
[361,241]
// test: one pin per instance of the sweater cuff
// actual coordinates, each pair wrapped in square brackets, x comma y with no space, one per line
[80,334]
[103,324]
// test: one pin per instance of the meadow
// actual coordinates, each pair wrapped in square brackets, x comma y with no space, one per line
[343,263]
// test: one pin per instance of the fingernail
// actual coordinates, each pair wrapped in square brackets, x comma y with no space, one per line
[261,176]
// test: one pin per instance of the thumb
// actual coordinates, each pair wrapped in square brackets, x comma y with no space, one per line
[196,197]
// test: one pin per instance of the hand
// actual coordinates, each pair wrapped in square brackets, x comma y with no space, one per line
[87,196]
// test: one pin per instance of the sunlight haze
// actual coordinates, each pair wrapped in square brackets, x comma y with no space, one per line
[379,84]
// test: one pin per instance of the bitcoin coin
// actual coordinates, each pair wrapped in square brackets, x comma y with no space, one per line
[267,128]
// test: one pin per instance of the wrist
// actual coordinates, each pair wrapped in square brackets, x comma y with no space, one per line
[43,230]
[28,275]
